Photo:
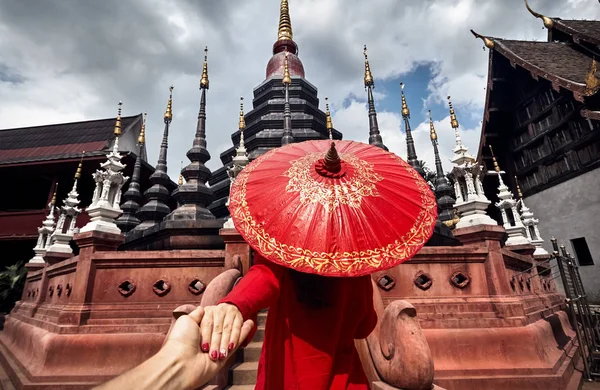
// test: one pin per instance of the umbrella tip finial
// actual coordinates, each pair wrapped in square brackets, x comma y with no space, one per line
[332,162]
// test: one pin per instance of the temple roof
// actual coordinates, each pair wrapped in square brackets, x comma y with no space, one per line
[64,140]
[588,30]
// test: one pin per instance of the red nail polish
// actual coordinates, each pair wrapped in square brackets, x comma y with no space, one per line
[221,356]
[214,355]
[231,346]
[205,347]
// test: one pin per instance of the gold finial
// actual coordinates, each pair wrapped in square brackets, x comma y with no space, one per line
[117,130]
[285,23]
[180,181]
[78,172]
[405,110]
[518,188]
[204,78]
[489,42]
[432,133]
[496,166]
[368,76]
[453,120]
[142,137]
[328,121]
[53,201]
[287,79]
[242,124]
[548,22]
[592,82]
[169,111]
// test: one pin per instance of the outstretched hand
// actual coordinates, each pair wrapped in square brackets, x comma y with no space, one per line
[223,329]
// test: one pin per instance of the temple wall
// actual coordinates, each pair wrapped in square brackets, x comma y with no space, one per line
[571,210]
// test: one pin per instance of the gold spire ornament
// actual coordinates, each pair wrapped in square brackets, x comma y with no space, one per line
[78,172]
[432,133]
[53,201]
[592,82]
[405,110]
[204,78]
[368,76]
[518,188]
[142,137]
[496,166]
[117,130]
[548,22]
[180,181]
[453,120]
[285,23]
[489,42]
[169,111]
[287,79]
[328,121]
[242,124]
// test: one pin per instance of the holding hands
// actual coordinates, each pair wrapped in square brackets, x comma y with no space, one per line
[223,330]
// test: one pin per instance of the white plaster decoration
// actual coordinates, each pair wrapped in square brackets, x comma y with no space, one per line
[45,232]
[507,205]
[531,229]
[105,208]
[458,192]
[240,160]
[64,232]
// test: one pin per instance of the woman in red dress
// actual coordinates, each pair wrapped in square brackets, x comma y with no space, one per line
[310,331]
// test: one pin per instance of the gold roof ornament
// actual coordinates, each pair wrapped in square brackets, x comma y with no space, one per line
[285,23]
[242,124]
[142,137]
[518,188]
[368,75]
[180,181]
[455,219]
[548,22]
[432,133]
[453,120]
[405,110]
[117,130]
[169,111]
[489,42]
[592,82]
[53,201]
[287,79]
[204,78]
[328,121]
[496,166]
[78,172]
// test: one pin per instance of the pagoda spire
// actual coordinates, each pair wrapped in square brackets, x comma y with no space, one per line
[133,196]
[45,232]
[443,191]
[285,23]
[461,152]
[531,224]
[155,209]
[374,134]
[288,137]
[117,130]
[410,143]
[328,121]
[193,196]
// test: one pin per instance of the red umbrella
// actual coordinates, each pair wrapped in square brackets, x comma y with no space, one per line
[306,207]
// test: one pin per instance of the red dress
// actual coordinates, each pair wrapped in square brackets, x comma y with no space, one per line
[306,349]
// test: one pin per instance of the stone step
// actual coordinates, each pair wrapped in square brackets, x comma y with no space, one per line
[252,351]
[244,374]
[241,387]
[259,336]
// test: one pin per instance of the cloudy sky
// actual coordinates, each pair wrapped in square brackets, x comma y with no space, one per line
[71,60]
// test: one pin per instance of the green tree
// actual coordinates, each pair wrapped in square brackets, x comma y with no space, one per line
[12,280]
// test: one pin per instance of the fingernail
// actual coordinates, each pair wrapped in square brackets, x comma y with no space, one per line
[223,354]
[214,355]
[205,347]
[231,346]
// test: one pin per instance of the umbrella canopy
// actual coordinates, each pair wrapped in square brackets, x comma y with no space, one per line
[339,208]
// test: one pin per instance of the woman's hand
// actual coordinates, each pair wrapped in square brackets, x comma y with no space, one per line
[221,330]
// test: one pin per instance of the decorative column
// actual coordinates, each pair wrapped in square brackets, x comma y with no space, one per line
[127,221]
[471,202]
[45,232]
[65,226]
[374,134]
[411,153]
[240,160]
[328,121]
[105,207]
[194,196]
[531,225]
[443,191]
[155,209]
[508,208]
[288,136]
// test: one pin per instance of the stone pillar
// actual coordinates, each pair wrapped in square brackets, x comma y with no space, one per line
[237,251]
